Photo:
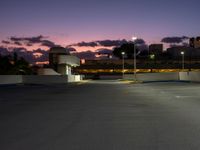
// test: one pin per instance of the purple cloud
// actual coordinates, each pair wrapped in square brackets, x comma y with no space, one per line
[5,42]
[105,43]
[86,55]
[18,43]
[104,51]
[177,40]
[48,43]
[71,49]
[110,43]
[30,41]
[87,44]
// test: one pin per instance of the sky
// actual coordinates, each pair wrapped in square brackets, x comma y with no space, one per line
[67,22]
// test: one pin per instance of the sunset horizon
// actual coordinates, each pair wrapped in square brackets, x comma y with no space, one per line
[90,25]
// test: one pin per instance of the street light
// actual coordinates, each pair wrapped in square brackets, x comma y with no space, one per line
[123,53]
[183,53]
[135,67]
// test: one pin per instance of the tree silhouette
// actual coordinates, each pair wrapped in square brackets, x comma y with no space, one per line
[5,65]
[128,48]
[13,66]
[22,67]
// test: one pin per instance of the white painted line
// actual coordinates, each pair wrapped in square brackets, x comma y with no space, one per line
[182,96]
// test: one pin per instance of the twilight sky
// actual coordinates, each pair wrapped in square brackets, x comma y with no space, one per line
[71,21]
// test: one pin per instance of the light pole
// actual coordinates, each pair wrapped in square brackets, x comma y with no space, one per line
[183,53]
[123,53]
[135,62]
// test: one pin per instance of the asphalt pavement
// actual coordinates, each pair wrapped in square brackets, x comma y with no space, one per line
[100,115]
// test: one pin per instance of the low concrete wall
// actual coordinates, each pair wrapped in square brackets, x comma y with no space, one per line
[59,79]
[110,77]
[172,76]
[46,79]
[75,78]
[38,79]
[10,79]
[190,76]
[184,76]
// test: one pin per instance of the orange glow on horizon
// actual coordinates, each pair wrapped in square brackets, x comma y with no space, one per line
[37,55]
[93,49]
[42,63]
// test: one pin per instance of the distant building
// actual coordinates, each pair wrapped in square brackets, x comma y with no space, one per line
[155,48]
[61,61]
[195,42]
[189,52]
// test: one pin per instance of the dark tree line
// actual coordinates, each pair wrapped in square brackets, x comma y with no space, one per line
[144,54]
[12,65]
[128,48]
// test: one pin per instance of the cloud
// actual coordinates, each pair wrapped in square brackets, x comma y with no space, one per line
[110,43]
[85,55]
[19,49]
[36,39]
[41,51]
[30,41]
[18,43]
[32,57]
[44,55]
[105,43]
[48,43]
[86,44]
[140,41]
[28,44]
[104,51]
[71,49]
[177,40]
[5,42]
[27,55]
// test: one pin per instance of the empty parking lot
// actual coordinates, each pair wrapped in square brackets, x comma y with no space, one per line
[96,115]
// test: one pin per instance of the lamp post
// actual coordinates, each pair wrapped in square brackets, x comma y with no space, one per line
[183,53]
[152,57]
[123,53]
[135,62]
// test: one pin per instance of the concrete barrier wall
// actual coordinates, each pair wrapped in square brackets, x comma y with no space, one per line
[46,79]
[10,79]
[39,79]
[190,76]
[75,78]
[110,77]
[58,79]
[172,76]
[184,76]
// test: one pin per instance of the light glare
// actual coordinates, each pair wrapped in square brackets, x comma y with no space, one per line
[134,38]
